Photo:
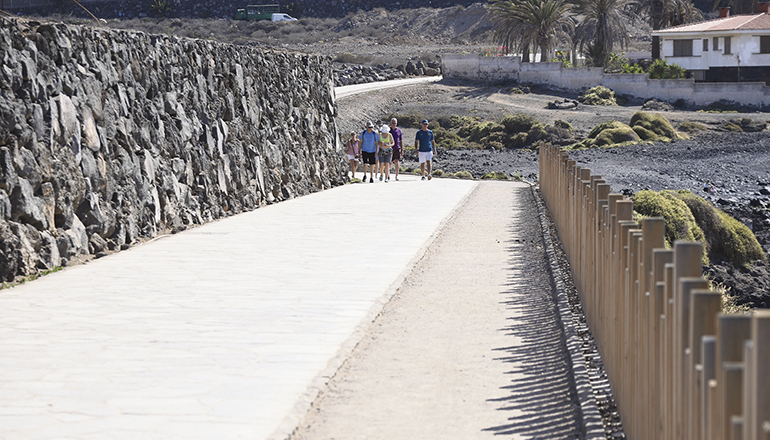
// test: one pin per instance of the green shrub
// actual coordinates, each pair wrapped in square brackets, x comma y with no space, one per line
[457,122]
[411,119]
[438,173]
[463,175]
[662,70]
[680,222]
[536,133]
[691,127]
[518,140]
[496,175]
[655,127]
[738,245]
[482,130]
[599,95]
[725,237]
[519,123]
[493,145]
[563,125]
[608,134]
[613,136]
[732,127]
[604,126]
[447,139]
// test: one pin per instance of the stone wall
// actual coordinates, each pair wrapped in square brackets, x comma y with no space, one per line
[111,137]
[496,69]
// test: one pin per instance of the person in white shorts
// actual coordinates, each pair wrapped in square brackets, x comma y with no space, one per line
[354,150]
[426,148]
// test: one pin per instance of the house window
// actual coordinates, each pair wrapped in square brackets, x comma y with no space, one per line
[715,43]
[705,44]
[682,48]
[728,49]
[764,44]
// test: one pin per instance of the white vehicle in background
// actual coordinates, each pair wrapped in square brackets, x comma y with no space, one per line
[283,17]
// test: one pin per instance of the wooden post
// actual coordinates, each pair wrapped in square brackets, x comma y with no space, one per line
[704,307]
[708,375]
[760,359]
[661,257]
[687,265]
[732,331]
[668,352]
[732,376]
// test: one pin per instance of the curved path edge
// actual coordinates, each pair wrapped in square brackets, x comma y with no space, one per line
[293,419]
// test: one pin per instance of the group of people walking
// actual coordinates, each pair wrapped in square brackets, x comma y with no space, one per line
[380,150]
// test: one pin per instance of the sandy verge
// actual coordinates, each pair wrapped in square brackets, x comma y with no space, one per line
[469,347]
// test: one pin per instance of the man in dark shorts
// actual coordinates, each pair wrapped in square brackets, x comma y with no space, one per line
[369,141]
[397,139]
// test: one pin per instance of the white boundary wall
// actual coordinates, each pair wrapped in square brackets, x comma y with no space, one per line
[473,67]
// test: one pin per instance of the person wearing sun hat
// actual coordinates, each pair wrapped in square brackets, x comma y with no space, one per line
[386,152]
[425,145]
[369,143]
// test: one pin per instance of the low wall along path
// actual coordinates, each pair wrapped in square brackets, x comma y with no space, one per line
[110,137]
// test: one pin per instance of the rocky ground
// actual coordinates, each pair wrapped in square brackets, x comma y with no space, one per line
[738,164]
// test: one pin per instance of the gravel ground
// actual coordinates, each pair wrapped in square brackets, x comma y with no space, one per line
[738,164]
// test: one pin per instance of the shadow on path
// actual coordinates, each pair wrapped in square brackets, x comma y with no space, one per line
[541,395]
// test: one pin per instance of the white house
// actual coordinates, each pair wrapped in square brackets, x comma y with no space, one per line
[725,49]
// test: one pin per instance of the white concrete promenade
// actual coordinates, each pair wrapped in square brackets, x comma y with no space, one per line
[220,332]
[345,91]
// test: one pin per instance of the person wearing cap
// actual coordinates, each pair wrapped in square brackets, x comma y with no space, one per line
[369,144]
[426,148]
[386,152]
[397,143]
[353,153]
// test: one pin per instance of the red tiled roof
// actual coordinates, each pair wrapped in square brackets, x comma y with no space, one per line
[736,23]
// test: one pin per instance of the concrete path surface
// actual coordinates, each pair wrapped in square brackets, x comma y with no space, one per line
[225,331]
[345,91]
[470,346]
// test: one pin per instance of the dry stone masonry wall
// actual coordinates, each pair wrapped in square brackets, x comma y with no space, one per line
[110,137]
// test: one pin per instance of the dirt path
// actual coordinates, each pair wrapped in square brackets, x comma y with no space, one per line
[469,347]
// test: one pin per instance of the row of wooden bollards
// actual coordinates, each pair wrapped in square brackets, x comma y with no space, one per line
[680,369]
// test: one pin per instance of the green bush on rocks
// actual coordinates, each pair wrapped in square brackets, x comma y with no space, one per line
[410,119]
[680,222]
[448,139]
[564,125]
[726,237]
[608,134]
[691,127]
[653,127]
[598,95]
[519,123]
[495,175]
[466,175]
[690,217]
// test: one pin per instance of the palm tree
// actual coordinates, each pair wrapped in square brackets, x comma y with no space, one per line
[524,25]
[603,26]
[667,13]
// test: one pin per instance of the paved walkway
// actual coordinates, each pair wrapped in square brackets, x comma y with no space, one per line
[471,345]
[221,332]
